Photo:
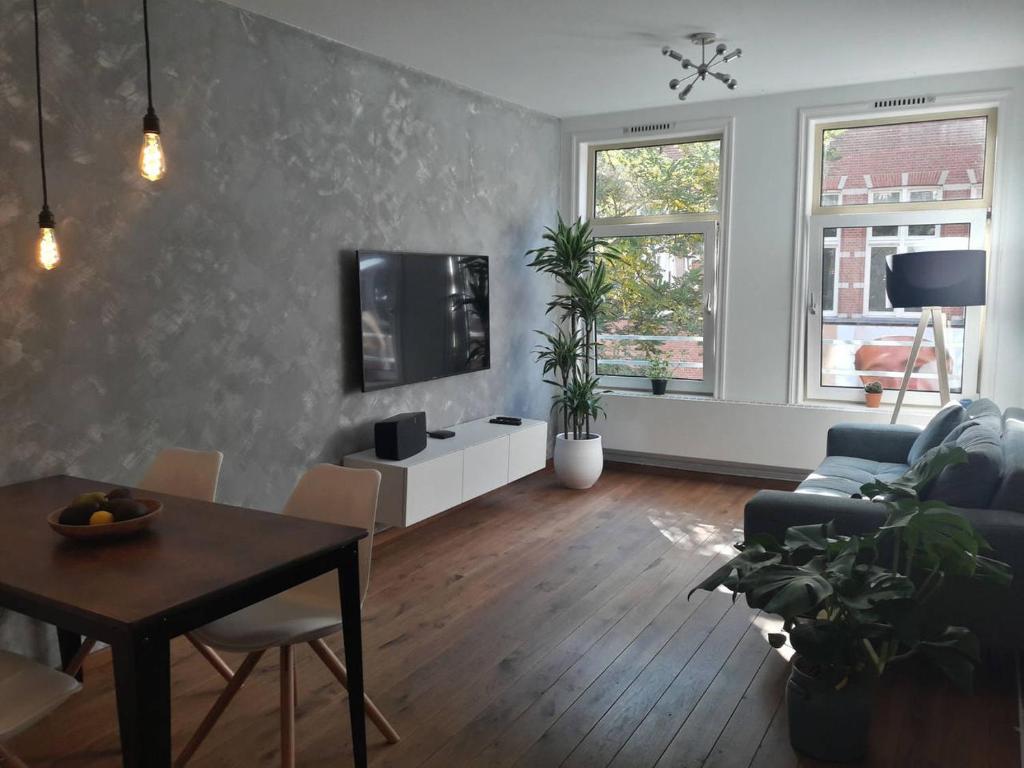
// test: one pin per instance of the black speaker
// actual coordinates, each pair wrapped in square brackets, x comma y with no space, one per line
[400,436]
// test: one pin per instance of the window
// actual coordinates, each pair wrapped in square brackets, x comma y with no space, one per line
[659,204]
[909,184]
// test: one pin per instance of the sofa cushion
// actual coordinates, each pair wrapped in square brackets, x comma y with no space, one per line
[974,483]
[1010,494]
[844,475]
[945,421]
[986,412]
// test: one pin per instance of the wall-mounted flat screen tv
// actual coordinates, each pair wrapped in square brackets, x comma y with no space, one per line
[424,316]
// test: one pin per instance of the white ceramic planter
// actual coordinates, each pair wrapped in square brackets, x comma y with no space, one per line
[578,463]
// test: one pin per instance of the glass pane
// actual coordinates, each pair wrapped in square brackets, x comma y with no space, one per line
[655,181]
[656,310]
[881,163]
[867,339]
[885,231]
[828,279]
[921,230]
[891,196]
[877,300]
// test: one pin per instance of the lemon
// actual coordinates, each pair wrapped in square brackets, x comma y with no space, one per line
[101,517]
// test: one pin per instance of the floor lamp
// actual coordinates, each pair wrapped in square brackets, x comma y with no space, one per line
[931,280]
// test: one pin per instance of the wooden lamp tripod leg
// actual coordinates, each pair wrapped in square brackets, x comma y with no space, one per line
[922,324]
[939,324]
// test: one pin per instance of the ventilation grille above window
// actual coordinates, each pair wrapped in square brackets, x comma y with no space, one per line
[632,130]
[906,101]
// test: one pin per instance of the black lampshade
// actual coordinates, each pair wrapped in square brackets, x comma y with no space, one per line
[936,279]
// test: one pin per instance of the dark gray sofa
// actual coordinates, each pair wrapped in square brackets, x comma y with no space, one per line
[988,490]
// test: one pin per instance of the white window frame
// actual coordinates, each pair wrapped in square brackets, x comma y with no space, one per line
[708,225]
[973,319]
[805,341]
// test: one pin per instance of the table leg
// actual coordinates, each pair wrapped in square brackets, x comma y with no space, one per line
[70,643]
[142,675]
[351,627]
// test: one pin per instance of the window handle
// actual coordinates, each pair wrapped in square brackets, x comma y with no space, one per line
[813,306]
[709,302]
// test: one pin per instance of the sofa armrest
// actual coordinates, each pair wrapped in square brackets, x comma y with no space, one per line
[774,511]
[877,442]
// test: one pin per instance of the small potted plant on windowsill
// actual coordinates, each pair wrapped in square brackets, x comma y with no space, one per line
[873,394]
[659,372]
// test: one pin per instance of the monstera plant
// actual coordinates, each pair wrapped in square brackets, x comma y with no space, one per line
[853,606]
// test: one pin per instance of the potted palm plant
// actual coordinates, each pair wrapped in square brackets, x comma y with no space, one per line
[578,262]
[852,606]
[659,371]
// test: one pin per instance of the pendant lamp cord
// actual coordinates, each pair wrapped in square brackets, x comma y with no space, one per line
[149,77]
[39,105]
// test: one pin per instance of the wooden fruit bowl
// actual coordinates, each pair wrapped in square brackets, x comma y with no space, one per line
[108,530]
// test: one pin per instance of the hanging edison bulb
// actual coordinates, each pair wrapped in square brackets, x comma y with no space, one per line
[47,252]
[152,164]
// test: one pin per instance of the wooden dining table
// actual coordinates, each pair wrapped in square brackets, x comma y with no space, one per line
[199,561]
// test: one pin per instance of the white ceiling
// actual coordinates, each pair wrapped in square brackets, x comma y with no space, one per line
[575,57]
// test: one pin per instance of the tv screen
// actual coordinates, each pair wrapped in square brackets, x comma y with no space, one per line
[424,316]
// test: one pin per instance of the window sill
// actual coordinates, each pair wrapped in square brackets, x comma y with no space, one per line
[646,393]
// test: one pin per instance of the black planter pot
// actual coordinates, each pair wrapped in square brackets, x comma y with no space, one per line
[825,723]
[658,386]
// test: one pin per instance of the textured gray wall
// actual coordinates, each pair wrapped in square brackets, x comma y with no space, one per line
[214,309]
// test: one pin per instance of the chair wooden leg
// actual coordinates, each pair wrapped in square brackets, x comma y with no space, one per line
[9,759]
[75,665]
[211,656]
[237,681]
[287,706]
[333,663]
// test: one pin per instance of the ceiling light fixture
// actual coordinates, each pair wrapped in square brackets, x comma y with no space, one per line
[702,70]
[152,163]
[47,253]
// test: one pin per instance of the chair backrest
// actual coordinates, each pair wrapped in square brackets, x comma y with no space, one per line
[344,496]
[184,472]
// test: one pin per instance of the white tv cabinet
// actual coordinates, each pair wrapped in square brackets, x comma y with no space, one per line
[481,457]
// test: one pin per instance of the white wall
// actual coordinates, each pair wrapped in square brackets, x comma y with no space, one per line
[760,272]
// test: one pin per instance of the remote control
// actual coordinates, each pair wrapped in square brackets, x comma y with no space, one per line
[509,421]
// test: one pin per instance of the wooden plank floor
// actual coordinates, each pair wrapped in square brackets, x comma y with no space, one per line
[539,626]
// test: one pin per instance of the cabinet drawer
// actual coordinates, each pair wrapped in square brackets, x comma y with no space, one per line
[433,486]
[485,467]
[527,451]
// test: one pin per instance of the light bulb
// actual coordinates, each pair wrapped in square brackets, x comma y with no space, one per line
[48,253]
[733,55]
[151,158]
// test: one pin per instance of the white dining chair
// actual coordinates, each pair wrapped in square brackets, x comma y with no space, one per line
[184,472]
[192,475]
[28,692]
[309,613]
